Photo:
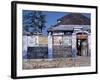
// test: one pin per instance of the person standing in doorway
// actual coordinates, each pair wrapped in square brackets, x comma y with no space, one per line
[84,48]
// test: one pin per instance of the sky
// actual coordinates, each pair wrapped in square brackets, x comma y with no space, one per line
[51,17]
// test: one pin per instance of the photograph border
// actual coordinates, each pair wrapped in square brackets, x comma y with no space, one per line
[14,38]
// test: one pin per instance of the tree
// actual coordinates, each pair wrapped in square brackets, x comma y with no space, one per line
[34,20]
[41,21]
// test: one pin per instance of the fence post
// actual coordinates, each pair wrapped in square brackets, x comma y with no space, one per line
[50,51]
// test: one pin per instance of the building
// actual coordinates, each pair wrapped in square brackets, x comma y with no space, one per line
[70,36]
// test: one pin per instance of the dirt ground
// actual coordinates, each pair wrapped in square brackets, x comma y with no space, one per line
[56,62]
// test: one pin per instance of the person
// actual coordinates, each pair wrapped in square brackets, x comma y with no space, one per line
[84,48]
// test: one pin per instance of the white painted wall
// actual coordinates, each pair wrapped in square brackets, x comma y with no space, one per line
[25,43]
[5,40]
[32,41]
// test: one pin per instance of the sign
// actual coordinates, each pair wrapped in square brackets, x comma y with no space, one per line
[32,41]
[67,40]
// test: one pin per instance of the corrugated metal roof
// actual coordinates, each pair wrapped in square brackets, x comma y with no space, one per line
[69,27]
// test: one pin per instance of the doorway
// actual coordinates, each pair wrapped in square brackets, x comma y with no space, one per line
[82,44]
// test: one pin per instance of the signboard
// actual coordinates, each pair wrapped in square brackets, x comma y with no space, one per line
[57,40]
[67,40]
[32,41]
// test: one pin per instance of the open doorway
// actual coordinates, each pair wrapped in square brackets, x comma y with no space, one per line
[82,44]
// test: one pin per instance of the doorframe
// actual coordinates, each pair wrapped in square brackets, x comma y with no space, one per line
[87,33]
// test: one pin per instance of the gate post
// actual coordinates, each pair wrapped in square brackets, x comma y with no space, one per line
[25,46]
[74,49]
[89,44]
[50,51]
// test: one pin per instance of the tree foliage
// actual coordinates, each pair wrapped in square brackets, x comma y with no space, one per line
[34,21]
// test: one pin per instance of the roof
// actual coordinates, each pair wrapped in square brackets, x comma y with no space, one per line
[70,21]
[73,19]
[69,27]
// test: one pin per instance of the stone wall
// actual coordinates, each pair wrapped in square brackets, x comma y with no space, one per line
[38,52]
[61,51]
[41,52]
